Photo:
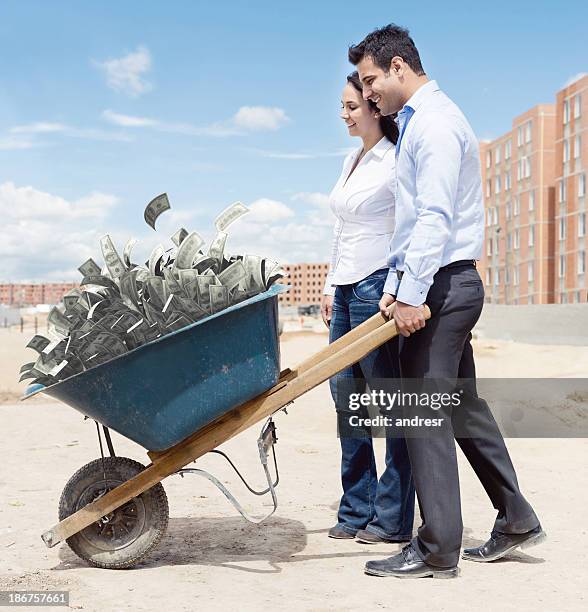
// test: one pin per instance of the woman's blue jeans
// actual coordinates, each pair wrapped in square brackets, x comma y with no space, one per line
[385,506]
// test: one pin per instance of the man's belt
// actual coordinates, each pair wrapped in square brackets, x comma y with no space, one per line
[462,263]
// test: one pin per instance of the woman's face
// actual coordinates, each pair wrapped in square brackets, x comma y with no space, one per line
[356,113]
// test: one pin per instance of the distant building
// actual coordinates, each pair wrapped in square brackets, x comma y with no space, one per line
[571,156]
[31,294]
[307,280]
[534,182]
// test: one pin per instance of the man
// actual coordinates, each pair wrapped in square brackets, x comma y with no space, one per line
[438,236]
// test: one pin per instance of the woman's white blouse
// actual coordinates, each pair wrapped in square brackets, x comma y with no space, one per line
[363,205]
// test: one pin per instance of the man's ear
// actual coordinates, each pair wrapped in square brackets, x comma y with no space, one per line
[397,66]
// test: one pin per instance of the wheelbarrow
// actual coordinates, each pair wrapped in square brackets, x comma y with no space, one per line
[180,397]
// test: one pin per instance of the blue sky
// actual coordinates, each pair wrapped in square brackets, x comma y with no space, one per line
[105,105]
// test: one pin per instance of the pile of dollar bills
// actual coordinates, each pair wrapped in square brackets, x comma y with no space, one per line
[124,305]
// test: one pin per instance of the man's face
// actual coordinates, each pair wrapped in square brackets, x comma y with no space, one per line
[385,90]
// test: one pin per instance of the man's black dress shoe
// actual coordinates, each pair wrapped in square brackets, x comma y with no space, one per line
[407,564]
[500,544]
[340,534]
[369,537]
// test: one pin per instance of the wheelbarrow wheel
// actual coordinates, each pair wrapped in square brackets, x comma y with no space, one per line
[125,536]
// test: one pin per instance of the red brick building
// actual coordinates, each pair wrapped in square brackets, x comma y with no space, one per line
[307,280]
[571,153]
[31,294]
[534,181]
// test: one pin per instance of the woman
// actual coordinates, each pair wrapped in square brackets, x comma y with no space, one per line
[363,203]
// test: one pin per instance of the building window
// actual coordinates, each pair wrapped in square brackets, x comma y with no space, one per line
[488,276]
[531,200]
[530,271]
[516,239]
[520,136]
[488,188]
[581,262]
[508,241]
[527,167]
[515,280]
[507,210]
[507,181]
[562,190]
[519,170]
[488,159]
[488,217]
[562,229]
[577,146]
[497,184]
[495,218]
[497,155]
[531,235]
[562,266]
[566,150]
[582,224]
[489,247]
[581,185]
[577,106]
[497,278]
[528,131]
[507,149]
[506,276]
[566,112]
[517,206]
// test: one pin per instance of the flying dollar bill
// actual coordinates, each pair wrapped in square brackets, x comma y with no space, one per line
[230,214]
[90,268]
[179,236]
[156,207]
[114,263]
[188,251]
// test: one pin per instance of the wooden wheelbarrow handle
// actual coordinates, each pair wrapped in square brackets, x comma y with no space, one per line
[347,350]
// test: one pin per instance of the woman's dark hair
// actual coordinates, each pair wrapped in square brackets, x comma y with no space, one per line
[387,123]
[385,43]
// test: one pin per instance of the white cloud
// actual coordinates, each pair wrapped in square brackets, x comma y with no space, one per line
[260,118]
[574,78]
[46,236]
[14,144]
[128,120]
[294,155]
[127,74]
[246,119]
[41,127]
[315,198]
[269,211]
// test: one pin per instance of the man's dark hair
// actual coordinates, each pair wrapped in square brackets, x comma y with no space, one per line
[385,43]
[387,123]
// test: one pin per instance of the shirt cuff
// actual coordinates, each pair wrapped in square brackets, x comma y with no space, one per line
[329,289]
[391,284]
[412,291]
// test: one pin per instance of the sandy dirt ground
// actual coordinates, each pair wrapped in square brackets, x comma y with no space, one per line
[211,559]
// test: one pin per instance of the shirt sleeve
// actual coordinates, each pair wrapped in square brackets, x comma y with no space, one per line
[437,152]
[391,284]
[329,288]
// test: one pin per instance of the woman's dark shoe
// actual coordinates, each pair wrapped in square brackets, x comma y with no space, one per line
[340,534]
[407,564]
[500,544]
[369,537]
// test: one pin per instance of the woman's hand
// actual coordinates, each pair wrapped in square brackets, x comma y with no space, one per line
[327,309]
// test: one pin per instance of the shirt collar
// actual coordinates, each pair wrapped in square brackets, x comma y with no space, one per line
[420,95]
[381,147]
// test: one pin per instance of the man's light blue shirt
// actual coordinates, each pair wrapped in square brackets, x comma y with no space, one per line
[439,205]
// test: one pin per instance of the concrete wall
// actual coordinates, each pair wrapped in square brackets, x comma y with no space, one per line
[8,316]
[535,323]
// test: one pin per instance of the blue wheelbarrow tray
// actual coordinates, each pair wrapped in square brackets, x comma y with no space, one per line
[162,392]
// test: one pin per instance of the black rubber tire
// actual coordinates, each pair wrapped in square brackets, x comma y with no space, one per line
[148,514]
